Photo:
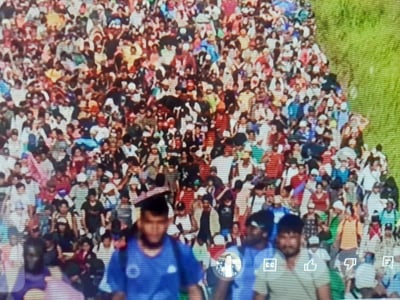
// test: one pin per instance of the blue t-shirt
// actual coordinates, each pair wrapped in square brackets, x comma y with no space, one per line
[252,259]
[157,277]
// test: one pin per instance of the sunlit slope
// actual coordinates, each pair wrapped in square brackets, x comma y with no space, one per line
[362,40]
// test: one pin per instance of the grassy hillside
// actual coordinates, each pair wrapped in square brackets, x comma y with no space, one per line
[362,41]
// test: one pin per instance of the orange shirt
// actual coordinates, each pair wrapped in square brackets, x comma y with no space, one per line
[349,231]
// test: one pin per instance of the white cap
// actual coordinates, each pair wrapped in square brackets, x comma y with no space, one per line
[303,124]
[338,205]
[343,106]
[330,102]
[190,127]
[226,134]
[109,174]
[365,276]
[208,57]
[185,47]
[146,134]
[81,177]
[199,153]
[314,172]
[322,118]
[131,86]
[134,180]
[219,240]
[201,192]
[314,240]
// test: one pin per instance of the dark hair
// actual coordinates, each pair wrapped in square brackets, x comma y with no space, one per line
[290,224]
[156,205]
[36,243]
[106,235]
[19,185]
[238,185]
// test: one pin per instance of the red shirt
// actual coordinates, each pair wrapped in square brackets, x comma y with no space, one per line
[295,182]
[274,167]
[187,197]
[320,201]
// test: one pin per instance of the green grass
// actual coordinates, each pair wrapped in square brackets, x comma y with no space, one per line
[361,38]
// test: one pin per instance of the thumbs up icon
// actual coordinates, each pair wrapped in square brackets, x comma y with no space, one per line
[310,266]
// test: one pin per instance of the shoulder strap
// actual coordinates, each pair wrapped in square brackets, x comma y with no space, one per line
[181,269]
[252,201]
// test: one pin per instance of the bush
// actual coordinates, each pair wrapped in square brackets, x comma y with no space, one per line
[361,38]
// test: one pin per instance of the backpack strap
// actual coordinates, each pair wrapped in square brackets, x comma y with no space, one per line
[177,252]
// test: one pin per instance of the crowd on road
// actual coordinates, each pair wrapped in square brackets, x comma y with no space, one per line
[226,108]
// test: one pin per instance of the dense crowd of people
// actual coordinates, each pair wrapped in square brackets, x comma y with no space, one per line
[226,108]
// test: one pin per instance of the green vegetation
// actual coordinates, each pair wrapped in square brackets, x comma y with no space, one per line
[361,38]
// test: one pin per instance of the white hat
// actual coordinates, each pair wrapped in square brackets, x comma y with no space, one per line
[134,180]
[330,102]
[303,124]
[131,86]
[343,106]
[208,57]
[199,153]
[322,118]
[314,240]
[190,127]
[146,134]
[314,172]
[338,205]
[365,276]
[226,134]
[219,240]
[109,174]
[277,199]
[201,192]
[81,177]
[185,47]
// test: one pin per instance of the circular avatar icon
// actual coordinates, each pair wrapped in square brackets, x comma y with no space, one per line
[228,265]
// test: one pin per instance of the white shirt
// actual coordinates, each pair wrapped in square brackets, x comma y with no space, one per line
[19,220]
[223,165]
[257,204]
[6,164]
[100,133]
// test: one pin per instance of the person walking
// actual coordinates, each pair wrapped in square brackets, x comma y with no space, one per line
[154,266]
[290,280]
[255,249]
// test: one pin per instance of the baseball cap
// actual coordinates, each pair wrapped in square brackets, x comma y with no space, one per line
[314,172]
[313,240]
[262,219]
[338,205]
[81,177]
[311,205]
[389,226]
[62,220]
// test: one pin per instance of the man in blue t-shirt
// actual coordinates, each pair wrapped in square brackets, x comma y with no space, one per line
[255,249]
[153,266]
